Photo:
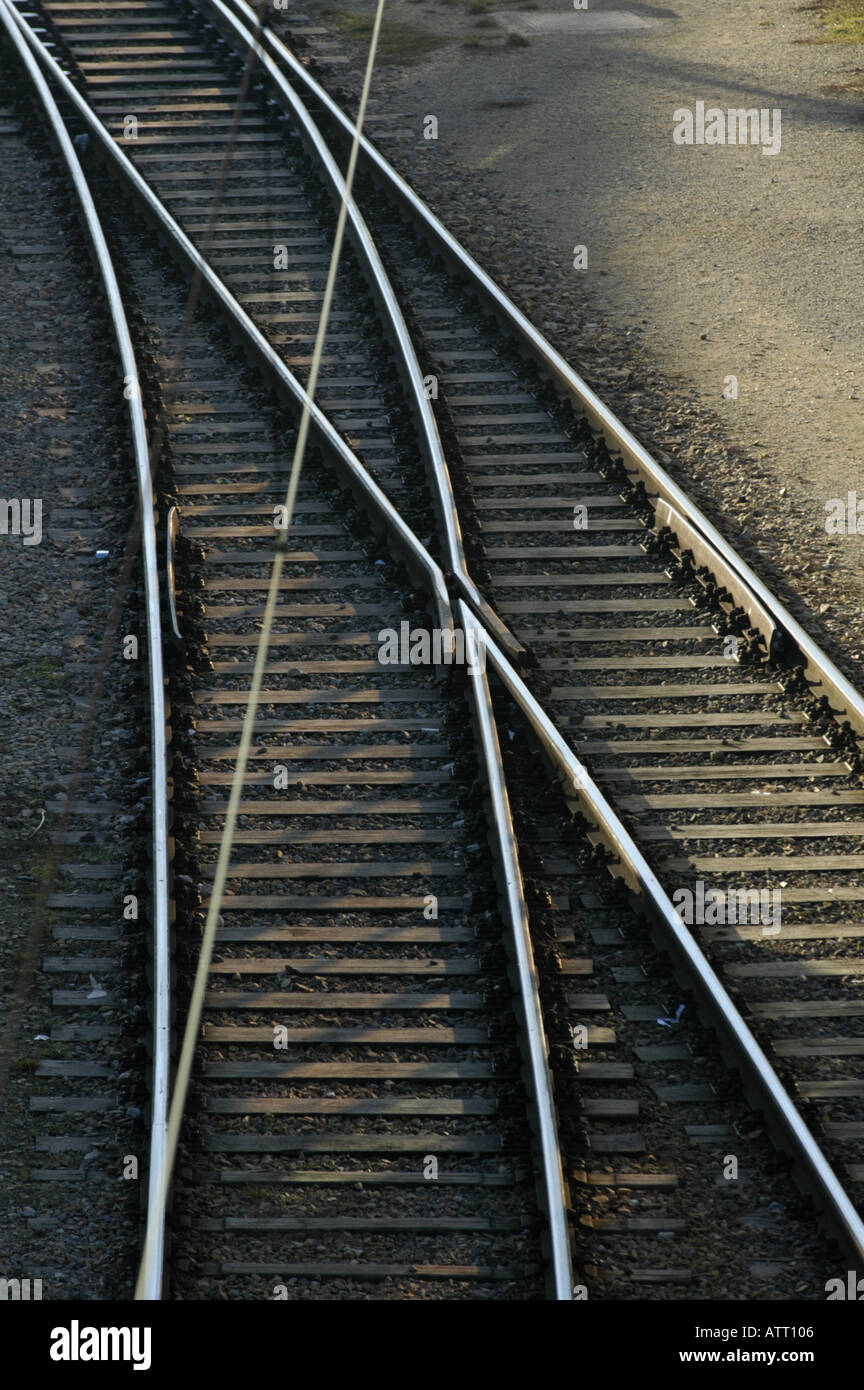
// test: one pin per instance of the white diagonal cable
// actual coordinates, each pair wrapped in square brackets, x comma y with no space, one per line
[179,1094]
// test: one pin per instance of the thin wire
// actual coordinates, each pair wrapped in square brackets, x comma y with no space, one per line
[196,1004]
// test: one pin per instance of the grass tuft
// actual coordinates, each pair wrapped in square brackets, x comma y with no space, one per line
[400,42]
[842,21]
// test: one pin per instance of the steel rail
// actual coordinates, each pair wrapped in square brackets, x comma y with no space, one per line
[819,668]
[554,1193]
[392,316]
[666,518]
[553,1185]
[630,865]
[160,908]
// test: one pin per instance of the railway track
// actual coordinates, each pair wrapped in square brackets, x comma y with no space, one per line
[767,733]
[79,842]
[358,1118]
[396,1073]
[726,768]
[519,462]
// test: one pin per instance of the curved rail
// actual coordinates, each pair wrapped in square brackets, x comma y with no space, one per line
[394,322]
[14,27]
[819,668]
[553,1186]
[370,494]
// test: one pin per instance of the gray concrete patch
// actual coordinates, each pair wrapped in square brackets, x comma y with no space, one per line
[575,22]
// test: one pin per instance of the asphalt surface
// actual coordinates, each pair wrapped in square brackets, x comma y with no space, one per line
[743,263]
